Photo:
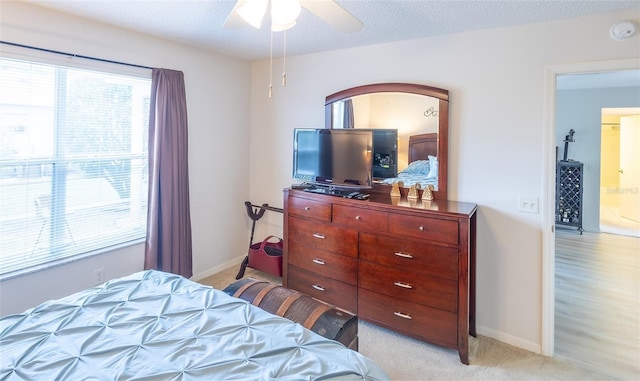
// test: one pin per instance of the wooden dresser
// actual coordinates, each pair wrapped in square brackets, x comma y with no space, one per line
[407,266]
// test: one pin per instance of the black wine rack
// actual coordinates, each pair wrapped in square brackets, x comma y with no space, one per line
[569,180]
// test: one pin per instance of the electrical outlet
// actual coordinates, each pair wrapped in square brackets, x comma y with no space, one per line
[528,204]
[99,275]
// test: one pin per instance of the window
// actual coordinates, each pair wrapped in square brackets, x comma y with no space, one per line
[73,162]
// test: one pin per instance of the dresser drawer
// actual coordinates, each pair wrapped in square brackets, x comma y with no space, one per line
[309,208]
[323,263]
[431,324]
[323,237]
[409,285]
[410,254]
[328,290]
[361,219]
[432,229]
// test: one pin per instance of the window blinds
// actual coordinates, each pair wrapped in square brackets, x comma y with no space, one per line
[73,161]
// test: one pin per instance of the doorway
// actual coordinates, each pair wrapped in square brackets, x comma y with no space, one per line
[584,151]
[620,172]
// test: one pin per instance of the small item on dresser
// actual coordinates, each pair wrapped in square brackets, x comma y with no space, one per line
[427,194]
[413,191]
[301,186]
[395,189]
[426,204]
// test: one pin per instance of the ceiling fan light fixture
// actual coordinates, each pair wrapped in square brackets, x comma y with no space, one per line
[284,14]
[252,11]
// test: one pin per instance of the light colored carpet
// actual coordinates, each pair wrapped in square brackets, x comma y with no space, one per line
[407,359]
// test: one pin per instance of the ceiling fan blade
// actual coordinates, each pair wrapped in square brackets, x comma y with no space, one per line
[333,14]
[234,21]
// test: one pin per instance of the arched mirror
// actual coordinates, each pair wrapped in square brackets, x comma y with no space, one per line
[419,113]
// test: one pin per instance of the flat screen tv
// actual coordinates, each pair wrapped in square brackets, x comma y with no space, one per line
[336,158]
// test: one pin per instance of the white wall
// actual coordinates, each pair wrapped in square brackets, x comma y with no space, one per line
[497,134]
[581,110]
[218,90]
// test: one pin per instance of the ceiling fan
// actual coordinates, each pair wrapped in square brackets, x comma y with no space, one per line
[284,14]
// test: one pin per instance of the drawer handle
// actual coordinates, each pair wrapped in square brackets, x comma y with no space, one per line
[318,287]
[358,218]
[318,261]
[307,208]
[404,316]
[403,285]
[421,228]
[404,255]
[318,235]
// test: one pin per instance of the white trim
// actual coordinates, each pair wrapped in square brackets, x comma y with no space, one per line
[548,234]
[548,219]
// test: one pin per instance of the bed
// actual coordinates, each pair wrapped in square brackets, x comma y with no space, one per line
[153,325]
[423,162]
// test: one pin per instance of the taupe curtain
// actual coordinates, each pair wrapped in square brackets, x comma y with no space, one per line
[168,245]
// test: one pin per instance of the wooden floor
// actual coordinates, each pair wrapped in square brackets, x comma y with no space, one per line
[597,311]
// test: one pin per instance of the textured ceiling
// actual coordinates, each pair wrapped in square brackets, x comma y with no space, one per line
[200,23]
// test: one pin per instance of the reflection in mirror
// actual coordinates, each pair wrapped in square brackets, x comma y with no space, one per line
[420,116]
[410,114]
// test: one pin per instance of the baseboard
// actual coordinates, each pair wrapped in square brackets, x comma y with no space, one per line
[214,270]
[509,339]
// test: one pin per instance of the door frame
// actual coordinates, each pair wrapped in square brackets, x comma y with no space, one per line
[628,201]
[548,200]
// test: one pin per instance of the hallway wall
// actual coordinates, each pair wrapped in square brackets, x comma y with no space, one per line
[581,109]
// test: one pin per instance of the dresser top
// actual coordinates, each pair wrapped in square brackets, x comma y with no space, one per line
[385,201]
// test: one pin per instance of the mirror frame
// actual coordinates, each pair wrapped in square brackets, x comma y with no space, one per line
[443,121]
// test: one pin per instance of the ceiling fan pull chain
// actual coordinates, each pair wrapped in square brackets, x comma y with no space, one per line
[284,61]
[271,67]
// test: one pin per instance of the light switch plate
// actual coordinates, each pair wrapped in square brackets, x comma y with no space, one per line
[528,204]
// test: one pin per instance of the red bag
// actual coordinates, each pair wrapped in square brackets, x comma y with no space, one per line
[267,256]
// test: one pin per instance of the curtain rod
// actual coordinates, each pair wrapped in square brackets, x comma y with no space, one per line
[74,55]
